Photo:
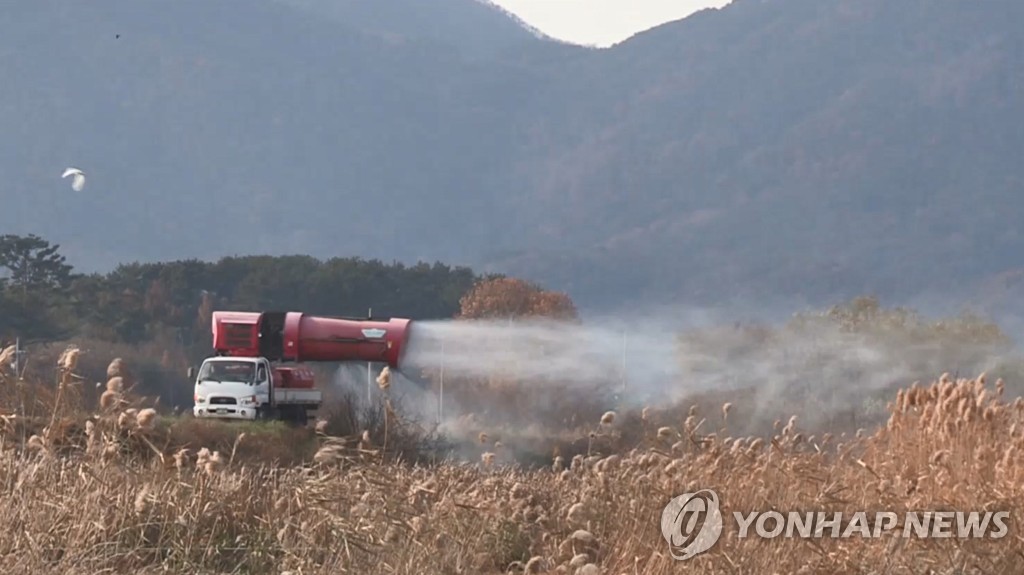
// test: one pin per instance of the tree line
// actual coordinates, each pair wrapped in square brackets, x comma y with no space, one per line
[43,299]
[160,312]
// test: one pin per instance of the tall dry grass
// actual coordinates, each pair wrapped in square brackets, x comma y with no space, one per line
[111,490]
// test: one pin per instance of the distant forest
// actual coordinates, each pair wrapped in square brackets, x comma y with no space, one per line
[159,313]
[42,298]
[156,316]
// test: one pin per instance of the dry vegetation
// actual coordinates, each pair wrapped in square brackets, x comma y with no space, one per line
[126,489]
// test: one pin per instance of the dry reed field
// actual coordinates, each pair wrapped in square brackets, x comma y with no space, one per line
[126,489]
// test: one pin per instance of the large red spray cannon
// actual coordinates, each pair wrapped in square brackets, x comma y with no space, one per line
[298,337]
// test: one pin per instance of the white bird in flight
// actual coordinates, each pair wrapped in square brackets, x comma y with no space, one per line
[79,181]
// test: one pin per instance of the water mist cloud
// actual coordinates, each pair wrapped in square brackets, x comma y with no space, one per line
[653,361]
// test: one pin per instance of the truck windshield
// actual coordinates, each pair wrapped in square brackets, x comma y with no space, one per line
[234,371]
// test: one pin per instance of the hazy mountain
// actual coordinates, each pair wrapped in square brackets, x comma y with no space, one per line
[800,147]
[242,126]
[477,27]
[788,148]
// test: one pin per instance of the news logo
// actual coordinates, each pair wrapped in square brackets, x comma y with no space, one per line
[691,523]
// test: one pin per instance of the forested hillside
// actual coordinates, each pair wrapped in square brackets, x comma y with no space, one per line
[157,315]
[802,149]
[44,298]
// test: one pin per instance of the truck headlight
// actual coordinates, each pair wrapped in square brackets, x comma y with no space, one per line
[199,399]
[248,400]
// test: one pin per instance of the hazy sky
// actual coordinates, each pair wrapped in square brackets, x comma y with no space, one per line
[601,22]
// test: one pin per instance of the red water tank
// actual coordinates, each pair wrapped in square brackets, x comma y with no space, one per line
[317,338]
[294,336]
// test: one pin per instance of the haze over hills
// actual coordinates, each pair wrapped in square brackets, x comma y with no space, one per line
[802,149]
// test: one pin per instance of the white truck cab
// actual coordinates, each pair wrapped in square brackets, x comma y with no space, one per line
[232,388]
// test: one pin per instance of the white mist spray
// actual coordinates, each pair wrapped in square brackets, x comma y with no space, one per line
[814,370]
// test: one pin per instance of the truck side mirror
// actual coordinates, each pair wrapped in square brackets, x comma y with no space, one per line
[191,372]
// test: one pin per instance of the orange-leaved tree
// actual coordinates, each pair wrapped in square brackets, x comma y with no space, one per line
[505,299]
[510,298]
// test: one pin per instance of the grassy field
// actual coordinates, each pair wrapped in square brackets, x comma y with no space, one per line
[124,488]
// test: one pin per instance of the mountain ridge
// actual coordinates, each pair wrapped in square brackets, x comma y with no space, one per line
[814,150]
